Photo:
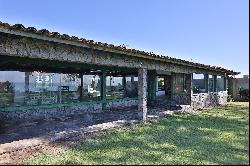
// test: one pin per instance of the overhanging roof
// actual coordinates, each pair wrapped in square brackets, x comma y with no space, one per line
[44,34]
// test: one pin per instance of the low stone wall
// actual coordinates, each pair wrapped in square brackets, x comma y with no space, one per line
[37,113]
[182,99]
[123,103]
[204,100]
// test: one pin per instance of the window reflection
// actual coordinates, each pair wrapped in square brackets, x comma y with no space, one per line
[210,83]
[220,83]
[41,88]
[179,83]
[198,83]
[91,87]
[121,87]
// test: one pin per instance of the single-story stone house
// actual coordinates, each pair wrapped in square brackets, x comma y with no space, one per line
[45,74]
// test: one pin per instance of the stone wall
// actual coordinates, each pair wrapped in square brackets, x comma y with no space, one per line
[58,112]
[124,103]
[182,99]
[204,100]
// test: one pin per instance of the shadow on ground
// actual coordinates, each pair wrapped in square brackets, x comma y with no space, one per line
[216,136]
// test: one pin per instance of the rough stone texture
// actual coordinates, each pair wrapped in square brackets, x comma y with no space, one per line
[115,105]
[33,48]
[204,100]
[142,92]
[48,113]
[183,99]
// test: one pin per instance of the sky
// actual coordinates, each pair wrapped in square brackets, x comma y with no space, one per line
[213,32]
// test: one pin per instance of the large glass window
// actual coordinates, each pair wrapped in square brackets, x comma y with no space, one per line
[70,87]
[12,88]
[198,83]
[91,87]
[211,83]
[42,88]
[220,83]
[121,87]
[131,86]
[179,83]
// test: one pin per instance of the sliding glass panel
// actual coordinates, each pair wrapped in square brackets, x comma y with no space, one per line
[41,88]
[211,83]
[121,87]
[91,87]
[198,83]
[70,87]
[179,83]
[131,87]
[220,83]
[115,87]
[12,88]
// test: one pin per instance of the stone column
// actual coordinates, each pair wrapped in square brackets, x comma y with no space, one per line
[142,93]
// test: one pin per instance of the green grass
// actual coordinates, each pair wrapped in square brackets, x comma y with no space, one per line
[216,136]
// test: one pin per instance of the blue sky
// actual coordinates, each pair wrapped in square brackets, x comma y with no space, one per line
[214,32]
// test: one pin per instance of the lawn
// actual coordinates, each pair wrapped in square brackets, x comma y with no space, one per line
[215,136]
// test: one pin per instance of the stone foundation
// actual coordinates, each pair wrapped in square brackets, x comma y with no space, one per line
[124,103]
[204,100]
[199,101]
[182,99]
[62,111]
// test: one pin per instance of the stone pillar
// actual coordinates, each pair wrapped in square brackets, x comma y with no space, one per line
[142,93]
